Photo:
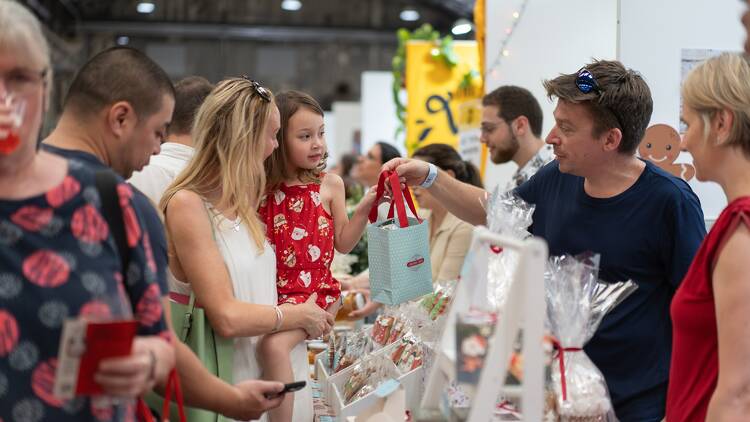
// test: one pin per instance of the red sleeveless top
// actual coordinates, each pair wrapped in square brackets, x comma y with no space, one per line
[301,232]
[695,345]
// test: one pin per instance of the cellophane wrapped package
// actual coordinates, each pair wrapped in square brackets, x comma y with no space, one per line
[576,304]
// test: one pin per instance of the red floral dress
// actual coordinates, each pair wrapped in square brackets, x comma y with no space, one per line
[301,232]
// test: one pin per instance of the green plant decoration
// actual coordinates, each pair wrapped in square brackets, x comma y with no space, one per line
[466,86]
[443,52]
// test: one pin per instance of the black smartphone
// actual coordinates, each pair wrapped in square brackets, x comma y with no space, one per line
[288,388]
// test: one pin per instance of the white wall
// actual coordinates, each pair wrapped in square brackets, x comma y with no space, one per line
[347,121]
[329,119]
[379,120]
[552,37]
[652,35]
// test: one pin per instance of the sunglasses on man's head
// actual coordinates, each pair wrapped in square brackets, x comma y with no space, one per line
[586,82]
[263,92]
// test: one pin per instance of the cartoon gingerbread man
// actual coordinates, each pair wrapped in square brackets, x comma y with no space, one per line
[661,146]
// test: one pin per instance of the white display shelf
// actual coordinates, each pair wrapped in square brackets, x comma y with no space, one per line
[410,381]
[524,306]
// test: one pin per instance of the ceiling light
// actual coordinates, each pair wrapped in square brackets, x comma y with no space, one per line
[145,7]
[291,5]
[461,27]
[409,14]
[123,40]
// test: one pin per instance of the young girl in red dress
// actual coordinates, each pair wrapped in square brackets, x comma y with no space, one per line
[305,216]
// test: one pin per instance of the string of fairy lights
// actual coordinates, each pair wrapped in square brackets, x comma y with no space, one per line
[504,51]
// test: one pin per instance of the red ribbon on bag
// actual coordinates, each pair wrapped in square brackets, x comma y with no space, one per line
[173,382]
[397,199]
[561,357]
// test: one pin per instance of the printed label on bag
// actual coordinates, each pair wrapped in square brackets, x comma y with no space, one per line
[415,262]
[83,345]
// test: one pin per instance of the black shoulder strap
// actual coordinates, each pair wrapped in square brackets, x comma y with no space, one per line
[106,184]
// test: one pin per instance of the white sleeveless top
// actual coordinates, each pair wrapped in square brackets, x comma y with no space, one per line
[254,281]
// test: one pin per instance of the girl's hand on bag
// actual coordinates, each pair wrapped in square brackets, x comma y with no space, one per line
[315,320]
[131,376]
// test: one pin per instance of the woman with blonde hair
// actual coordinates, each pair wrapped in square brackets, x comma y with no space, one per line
[58,260]
[709,374]
[217,243]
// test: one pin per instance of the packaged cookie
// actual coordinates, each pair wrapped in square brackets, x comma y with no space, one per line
[396,330]
[366,377]
[353,347]
[576,304]
[408,355]
[381,330]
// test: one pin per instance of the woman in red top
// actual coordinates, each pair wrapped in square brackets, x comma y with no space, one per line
[710,377]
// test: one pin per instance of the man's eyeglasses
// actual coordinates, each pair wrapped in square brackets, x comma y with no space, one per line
[586,82]
[22,81]
[259,89]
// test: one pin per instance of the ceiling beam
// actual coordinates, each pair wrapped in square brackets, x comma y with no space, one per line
[238,32]
[458,8]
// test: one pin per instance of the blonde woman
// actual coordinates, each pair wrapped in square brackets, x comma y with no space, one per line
[217,242]
[709,374]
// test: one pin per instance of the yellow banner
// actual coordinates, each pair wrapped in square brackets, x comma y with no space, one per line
[438,107]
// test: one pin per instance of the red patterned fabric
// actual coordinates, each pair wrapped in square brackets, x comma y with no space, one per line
[301,232]
[58,260]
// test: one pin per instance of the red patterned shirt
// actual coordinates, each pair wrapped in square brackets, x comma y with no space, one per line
[301,232]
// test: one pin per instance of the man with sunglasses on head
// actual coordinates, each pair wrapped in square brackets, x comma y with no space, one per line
[599,196]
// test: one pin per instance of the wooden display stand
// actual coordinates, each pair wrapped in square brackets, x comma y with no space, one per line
[525,306]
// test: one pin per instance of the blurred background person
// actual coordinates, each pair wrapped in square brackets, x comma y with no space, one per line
[176,151]
[449,237]
[367,169]
[352,187]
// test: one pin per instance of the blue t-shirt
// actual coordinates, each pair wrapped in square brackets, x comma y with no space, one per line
[649,234]
[151,220]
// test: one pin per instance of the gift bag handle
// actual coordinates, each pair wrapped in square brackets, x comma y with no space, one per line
[173,383]
[397,200]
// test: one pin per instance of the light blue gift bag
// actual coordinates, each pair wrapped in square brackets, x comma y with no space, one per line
[398,249]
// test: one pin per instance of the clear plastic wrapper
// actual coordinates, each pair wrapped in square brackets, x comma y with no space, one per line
[409,354]
[381,330]
[436,303]
[350,347]
[508,215]
[366,377]
[576,304]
